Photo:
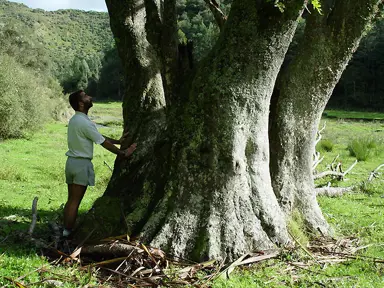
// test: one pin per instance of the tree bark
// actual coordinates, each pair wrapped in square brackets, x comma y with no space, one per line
[300,97]
[220,203]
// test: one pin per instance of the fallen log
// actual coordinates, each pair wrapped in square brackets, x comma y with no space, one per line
[332,191]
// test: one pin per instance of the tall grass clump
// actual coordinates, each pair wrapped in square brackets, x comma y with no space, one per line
[362,148]
[325,145]
[296,228]
[26,101]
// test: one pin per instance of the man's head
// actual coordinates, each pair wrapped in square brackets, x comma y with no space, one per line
[80,101]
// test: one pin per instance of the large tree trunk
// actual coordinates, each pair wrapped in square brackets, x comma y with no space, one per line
[302,91]
[200,186]
[220,201]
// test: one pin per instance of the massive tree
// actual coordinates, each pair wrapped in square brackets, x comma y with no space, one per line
[220,167]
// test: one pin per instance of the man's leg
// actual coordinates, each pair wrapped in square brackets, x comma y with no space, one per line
[75,195]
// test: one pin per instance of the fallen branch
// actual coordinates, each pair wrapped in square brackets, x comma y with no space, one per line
[374,173]
[328,173]
[243,260]
[316,155]
[303,248]
[110,168]
[118,249]
[341,175]
[332,191]
[317,160]
[34,216]
[256,259]
[319,136]
[333,162]
[350,168]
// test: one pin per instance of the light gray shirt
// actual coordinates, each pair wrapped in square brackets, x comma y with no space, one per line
[82,133]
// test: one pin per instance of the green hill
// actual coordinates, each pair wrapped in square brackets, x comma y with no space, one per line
[71,42]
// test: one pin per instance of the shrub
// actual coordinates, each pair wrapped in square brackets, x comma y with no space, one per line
[12,174]
[26,101]
[296,227]
[325,145]
[362,148]
[371,188]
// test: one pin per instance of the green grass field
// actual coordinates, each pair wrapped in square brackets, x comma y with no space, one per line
[35,167]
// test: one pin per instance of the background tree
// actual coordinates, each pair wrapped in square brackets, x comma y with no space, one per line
[301,94]
[111,82]
[361,86]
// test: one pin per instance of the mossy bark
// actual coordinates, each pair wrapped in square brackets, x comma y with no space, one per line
[302,91]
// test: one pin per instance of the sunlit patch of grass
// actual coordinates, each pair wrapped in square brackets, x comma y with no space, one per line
[15,263]
[11,173]
[358,115]
[110,109]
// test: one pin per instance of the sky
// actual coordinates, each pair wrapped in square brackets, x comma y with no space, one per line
[51,5]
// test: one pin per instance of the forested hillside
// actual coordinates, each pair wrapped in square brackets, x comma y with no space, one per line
[44,55]
[67,50]
[69,43]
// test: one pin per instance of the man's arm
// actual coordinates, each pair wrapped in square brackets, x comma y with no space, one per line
[112,141]
[116,142]
[112,148]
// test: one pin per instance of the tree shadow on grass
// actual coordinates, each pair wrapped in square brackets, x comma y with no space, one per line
[15,224]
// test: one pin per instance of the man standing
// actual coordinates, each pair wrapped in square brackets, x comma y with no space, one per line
[79,173]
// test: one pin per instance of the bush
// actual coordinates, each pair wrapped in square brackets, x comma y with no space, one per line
[26,101]
[325,145]
[362,148]
[371,188]
[296,227]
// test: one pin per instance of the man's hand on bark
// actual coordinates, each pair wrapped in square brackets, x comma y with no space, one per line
[128,152]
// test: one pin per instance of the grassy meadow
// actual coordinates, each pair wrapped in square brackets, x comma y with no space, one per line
[34,166]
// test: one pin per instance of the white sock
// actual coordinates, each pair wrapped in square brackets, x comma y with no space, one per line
[66,232]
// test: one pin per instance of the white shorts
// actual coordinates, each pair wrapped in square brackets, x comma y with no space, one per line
[79,171]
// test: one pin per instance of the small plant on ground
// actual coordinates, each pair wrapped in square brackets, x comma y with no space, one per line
[325,145]
[371,188]
[362,148]
[296,228]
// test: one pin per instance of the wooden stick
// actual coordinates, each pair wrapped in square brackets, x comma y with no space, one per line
[327,173]
[34,216]
[110,168]
[303,248]
[350,168]
[319,136]
[374,173]
[335,173]
[122,250]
